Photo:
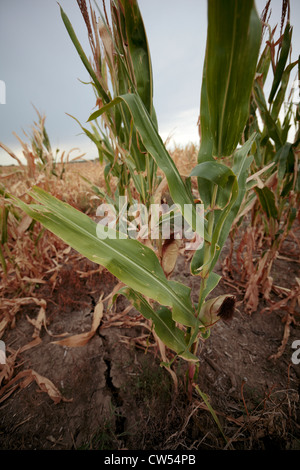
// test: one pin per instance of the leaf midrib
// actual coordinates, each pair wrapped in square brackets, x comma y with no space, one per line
[228,80]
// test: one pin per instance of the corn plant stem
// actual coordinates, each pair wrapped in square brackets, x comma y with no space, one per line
[149,176]
[206,258]
[159,243]
[3,262]
[205,272]
[143,188]
[129,132]
[128,187]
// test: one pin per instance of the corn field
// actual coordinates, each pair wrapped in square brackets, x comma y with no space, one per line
[150,298]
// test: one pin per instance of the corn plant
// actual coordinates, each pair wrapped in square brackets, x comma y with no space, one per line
[38,152]
[120,64]
[135,150]
[274,201]
[13,223]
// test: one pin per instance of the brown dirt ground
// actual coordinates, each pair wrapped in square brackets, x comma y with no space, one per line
[116,394]
[120,397]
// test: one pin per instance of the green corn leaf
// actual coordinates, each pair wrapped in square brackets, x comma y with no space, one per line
[240,168]
[155,147]
[212,411]
[291,217]
[273,130]
[139,52]
[206,141]
[282,158]
[212,282]
[264,63]
[93,137]
[267,200]
[279,100]
[287,188]
[129,260]
[2,260]
[164,325]
[210,173]
[284,53]
[224,218]
[233,42]
[82,56]
[4,211]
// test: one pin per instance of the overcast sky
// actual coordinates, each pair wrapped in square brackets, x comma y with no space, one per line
[40,66]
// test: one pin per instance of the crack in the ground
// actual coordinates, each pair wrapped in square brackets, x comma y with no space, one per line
[116,399]
[93,302]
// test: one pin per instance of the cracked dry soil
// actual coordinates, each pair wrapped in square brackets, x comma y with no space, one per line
[122,399]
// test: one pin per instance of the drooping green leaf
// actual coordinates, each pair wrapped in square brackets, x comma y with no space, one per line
[269,122]
[284,53]
[139,52]
[129,260]
[83,56]
[210,173]
[164,325]
[279,100]
[267,200]
[211,410]
[264,63]
[282,158]
[233,42]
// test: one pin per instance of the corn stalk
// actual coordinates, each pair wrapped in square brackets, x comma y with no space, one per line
[273,201]
[121,75]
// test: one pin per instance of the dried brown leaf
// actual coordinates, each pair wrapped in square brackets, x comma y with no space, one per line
[82,339]
[39,321]
[25,378]
[286,335]
[35,342]
[23,225]
[7,369]
[47,386]
[170,253]
[33,280]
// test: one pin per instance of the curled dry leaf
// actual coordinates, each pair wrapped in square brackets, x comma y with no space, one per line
[25,378]
[169,255]
[3,324]
[39,321]
[10,308]
[35,342]
[7,369]
[288,321]
[47,386]
[24,225]
[110,297]
[82,339]
[33,280]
